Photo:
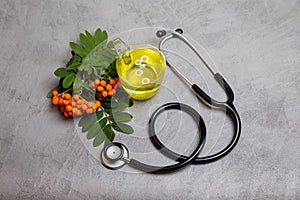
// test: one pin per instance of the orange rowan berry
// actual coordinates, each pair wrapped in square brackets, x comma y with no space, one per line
[79,112]
[70,113]
[66,114]
[67,96]
[90,104]
[104,93]
[54,93]
[98,104]
[79,102]
[63,96]
[103,83]
[69,108]
[55,100]
[112,82]
[73,103]
[60,101]
[97,82]
[95,107]
[74,110]
[110,93]
[66,102]
[100,88]
[62,108]
[75,97]
[108,87]
[84,107]
[89,111]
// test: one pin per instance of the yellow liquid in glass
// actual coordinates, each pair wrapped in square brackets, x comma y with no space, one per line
[141,72]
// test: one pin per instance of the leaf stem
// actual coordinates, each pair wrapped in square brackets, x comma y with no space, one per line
[106,115]
[65,92]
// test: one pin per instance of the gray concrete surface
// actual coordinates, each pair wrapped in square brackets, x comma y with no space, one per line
[255,44]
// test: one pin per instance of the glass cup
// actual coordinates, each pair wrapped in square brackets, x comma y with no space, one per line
[141,68]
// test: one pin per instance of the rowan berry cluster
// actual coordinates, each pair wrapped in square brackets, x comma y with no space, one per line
[73,105]
[106,88]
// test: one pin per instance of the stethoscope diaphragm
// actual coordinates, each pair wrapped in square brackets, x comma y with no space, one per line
[113,155]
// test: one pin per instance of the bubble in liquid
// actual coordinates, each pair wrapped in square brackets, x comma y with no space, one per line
[137,62]
[145,58]
[139,72]
[146,80]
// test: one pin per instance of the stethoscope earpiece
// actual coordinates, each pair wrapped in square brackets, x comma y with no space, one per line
[113,155]
[179,30]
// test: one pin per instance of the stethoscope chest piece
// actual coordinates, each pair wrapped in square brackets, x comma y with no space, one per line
[113,155]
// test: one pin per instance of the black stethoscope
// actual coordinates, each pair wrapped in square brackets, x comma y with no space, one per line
[115,155]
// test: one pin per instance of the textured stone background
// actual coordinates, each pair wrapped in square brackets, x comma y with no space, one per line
[256,45]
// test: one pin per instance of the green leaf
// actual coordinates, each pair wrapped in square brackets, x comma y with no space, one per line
[86,43]
[49,95]
[108,55]
[110,103]
[103,122]
[100,37]
[111,71]
[78,49]
[73,66]
[94,130]
[98,59]
[122,117]
[95,72]
[74,59]
[86,67]
[89,123]
[61,72]
[99,139]
[120,108]
[110,135]
[89,36]
[77,84]
[69,80]
[99,114]
[90,71]
[130,103]
[110,44]
[82,67]
[121,127]
[84,119]
[86,86]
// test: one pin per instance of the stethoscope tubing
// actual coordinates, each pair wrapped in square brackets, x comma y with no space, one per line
[231,112]
[180,162]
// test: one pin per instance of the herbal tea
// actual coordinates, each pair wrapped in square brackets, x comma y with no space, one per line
[141,72]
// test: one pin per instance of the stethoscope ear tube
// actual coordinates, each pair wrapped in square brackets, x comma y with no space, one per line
[227,106]
[222,82]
